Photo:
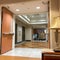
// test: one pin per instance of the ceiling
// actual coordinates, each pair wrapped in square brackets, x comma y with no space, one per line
[39,26]
[15,1]
[27,7]
[12,1]
[39,16]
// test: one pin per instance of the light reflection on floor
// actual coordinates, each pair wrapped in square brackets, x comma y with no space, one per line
[27,52]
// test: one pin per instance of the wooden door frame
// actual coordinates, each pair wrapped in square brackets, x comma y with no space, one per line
[49,24]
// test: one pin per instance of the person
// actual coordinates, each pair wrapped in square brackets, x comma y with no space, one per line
[35,36]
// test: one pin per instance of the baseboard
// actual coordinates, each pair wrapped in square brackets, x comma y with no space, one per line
[23,41]
[19,42]
[28,40]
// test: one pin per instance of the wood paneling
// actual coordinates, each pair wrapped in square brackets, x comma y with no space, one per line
[6,22]
[6,29]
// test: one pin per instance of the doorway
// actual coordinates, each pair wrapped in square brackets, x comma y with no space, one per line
[36,33]
[23,33]
[19,34]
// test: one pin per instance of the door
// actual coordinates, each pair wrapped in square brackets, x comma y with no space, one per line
[15,33]
[23,33]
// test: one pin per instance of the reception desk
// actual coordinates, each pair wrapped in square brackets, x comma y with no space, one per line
[51,56]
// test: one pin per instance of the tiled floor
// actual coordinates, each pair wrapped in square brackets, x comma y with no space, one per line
[27,52]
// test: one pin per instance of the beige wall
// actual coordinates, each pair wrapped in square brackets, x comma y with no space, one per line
[59,26]
[19,28]
[28,30]
[28,33]
[13,30]
[54,12]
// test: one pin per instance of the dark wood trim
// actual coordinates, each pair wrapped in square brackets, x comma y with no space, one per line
[49,23]
[51,56]
[28,40]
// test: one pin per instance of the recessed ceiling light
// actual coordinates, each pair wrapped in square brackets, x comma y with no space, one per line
[17,10]
[37,7]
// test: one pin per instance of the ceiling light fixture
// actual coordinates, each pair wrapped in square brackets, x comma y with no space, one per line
[40,23]
[23,18]
[26,17]
[42,20]
[37,7]
[17,10]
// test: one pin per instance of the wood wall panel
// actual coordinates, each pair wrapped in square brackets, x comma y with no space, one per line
[7,17]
